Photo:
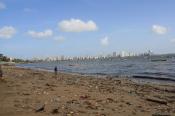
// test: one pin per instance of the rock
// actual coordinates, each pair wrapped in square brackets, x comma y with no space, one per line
[40,108]
[46,93]
[128,103]
[26,93]
[55,108]
[71,112]
[50,85]
[57,99]
[110,100]
[55,111]
[84,97]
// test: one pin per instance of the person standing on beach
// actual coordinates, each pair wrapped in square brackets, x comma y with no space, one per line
[55,70]
[1,73]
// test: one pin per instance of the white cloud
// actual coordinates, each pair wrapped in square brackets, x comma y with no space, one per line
[104,41]
[45,34]
[59,39]
[158,29]
[7,32]
[77,25]
[172,40]
[2,6]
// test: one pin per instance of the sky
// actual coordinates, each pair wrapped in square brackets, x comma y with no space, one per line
[39,28]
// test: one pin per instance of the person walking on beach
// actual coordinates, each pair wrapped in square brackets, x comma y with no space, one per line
[55,70]
[1,73]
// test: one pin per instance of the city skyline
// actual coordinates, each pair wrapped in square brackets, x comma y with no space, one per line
[85,27]
[114,54]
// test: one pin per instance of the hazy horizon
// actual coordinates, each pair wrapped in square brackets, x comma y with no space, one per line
[85,27]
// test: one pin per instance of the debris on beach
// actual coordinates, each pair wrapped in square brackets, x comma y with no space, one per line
[161,114]
[84,97]
[55,109]
[40,107]
[77,96]
[156,100]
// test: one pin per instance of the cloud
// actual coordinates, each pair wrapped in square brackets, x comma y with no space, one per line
[172,40]
[59,39]
[45,34]
[160,30]
[104,41]
[77,25]
[7,32]
[2,6]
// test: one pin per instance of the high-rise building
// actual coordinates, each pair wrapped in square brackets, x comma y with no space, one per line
[62,57]
[114,54]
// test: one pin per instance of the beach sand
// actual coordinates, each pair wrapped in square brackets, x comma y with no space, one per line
[26,92]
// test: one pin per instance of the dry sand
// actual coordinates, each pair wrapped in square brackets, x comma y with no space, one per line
[25,92]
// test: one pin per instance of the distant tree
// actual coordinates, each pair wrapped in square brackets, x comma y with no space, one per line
[5,59]
[1,56]
[17,60]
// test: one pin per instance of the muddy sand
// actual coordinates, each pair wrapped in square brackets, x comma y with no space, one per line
[26,92]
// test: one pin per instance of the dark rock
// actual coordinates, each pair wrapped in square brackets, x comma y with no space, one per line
[50,85]
[26,93]
[84,97]
[55,111]
[128,103]
[40,108]
[110,100]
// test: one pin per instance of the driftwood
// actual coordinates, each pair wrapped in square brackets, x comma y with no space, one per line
[156,100]
[161,114]
[152,77]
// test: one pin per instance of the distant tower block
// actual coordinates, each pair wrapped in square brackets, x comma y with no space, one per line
[114,54]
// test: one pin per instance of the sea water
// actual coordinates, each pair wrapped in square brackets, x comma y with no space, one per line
[139,66]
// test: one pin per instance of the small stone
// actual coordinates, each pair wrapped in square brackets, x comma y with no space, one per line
[40,108]
[26,93]
[110,100]
[55,111]
[84,97]
[128,103]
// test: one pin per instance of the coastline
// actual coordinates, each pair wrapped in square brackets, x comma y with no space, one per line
[22,90]
[140,79]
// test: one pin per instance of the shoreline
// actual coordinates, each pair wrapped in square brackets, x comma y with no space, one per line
[39,93]
[142,79]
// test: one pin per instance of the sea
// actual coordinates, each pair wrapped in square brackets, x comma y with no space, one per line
[150,68]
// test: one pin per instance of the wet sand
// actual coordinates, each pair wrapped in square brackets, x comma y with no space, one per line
[26,92]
